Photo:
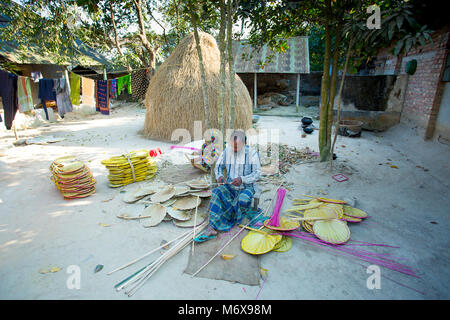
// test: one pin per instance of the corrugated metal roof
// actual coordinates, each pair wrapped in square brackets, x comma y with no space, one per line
[294,60]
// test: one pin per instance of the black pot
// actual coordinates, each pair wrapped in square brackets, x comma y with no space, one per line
[308,130]
[307,121]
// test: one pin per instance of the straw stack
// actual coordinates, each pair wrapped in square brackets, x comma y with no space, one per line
[72,177]
[131,167]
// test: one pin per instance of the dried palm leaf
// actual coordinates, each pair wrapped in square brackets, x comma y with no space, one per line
[198,184]
[156,212]
[194,221]
[307,226]
[146,190]
[181,190]
[354,212]
[332,231]
[202,193]
[163,194]
[130,196]
[169,202]
[180,215]
[350,219]
[187,203]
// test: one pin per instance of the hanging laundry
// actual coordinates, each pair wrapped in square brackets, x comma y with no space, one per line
[24,97]
[139,84]
[113,88]
[75,86]
[36,75]
[122,82]
[88,91]
[102,96]
[8,92]
[46,93]
[62,97]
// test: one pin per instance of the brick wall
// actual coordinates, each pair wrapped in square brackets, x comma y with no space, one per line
[423,85]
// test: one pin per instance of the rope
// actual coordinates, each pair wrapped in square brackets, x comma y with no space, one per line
[131,166]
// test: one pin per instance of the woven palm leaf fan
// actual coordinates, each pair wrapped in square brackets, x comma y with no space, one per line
[338,208]
[307,226]
[187,203]
[195,220]
[156,212]
[350,219]
[60,161]
[77,195]
[285,225]
[202,193]
[259,242]
[167,217]
[163,194]
[332,231]
[180,215]
[354,212]
[301,207]
[320,212]
[198,184]
[332,200]
[284,245]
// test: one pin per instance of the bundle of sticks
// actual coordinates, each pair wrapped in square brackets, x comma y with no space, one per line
[132,283]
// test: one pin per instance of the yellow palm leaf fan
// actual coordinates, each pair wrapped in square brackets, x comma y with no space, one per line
[354,212]
[259,242]
[332,231]
[321,212]
[285,225]
[284,245]
[307,226]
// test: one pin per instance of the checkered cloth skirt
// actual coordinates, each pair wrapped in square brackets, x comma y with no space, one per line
[228,206]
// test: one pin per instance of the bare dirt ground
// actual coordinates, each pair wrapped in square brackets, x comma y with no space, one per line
[408,207]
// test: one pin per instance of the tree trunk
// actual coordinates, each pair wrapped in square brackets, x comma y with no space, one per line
[332,93]
[192,11]
[230,12]
[222,74]
[341,86]
[324,92]
[142,35]
[116,39]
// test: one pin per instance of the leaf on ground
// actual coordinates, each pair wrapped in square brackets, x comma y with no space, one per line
[104,224]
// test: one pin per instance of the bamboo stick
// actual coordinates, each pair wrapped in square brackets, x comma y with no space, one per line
[151,266]
[307,219]
[195,224]
[147,254]
[157,264]
[253,229]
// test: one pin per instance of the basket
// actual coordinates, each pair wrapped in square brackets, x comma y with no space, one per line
[350,128]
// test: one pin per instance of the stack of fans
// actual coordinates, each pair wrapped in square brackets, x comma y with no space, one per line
[72,177]
[131,167]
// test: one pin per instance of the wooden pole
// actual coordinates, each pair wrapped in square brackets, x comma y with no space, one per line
[297,96]
[255,92]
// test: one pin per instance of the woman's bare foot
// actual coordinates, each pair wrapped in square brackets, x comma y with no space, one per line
[209,231]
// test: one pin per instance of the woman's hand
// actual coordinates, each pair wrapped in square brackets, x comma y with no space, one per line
[237,182]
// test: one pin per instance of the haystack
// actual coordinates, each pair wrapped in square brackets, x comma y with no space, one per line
[174,98]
